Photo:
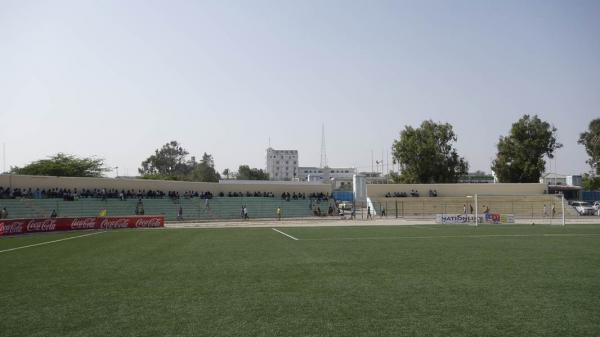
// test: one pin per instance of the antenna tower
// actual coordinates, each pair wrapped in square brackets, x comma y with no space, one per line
[323,149]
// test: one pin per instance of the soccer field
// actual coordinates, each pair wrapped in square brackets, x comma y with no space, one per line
[504,280]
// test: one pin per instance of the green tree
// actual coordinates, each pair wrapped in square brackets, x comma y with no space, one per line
[591,140]
[520,157]
[171,163]
[226,173]
[247,173]
[590,182]
[205,170]
[64,165]
[427,155]
[168,162]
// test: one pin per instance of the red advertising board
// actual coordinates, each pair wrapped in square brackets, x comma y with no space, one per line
[22,226]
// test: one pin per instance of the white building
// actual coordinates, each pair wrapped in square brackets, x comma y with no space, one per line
[338,176]
[561,179]
[325,173]
[282,164]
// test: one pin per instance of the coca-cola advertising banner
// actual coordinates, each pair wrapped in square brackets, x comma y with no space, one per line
[22,226]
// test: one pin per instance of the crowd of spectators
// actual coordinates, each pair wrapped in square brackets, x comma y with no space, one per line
[319,196]
[247,194]
[74,194]
[413,193]
[102,193]
[189,195]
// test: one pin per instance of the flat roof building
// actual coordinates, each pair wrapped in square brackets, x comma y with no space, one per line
[282,164]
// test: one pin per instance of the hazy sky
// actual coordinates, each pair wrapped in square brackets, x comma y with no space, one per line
[117,79]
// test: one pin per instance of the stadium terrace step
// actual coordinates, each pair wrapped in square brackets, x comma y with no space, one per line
[193,209]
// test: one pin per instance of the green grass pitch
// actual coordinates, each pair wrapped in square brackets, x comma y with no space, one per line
[334,281]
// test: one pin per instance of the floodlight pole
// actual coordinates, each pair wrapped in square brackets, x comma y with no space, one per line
[476,212]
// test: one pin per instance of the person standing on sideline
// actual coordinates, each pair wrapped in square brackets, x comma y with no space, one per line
[471,208]
[553,210]
[369,213]
[246,213]
[353,214]
[279,213]
[242,213]
[545,211]
[464,208]
[180,214]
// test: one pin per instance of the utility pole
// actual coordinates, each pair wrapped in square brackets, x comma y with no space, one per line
[382,163]
[372,161]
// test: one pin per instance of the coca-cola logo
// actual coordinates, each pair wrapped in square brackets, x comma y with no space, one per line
[148,222]
[83,223]
[114,223]
[44,225]
[13,227]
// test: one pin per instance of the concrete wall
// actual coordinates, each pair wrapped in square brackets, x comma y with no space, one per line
[456,190]
[373,190]
[44,182]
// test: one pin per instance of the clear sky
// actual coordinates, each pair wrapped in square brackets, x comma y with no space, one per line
[117,79]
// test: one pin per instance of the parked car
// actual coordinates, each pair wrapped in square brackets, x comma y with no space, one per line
[346,206]
[583,208]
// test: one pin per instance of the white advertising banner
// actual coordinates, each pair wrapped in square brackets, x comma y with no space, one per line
[494,218]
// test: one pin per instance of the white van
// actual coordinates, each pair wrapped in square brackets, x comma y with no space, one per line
[583,208]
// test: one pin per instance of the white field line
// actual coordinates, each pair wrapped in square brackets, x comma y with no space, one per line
[49,242]
[289,236]
[451,237]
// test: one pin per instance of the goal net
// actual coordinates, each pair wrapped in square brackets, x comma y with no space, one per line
[479,209]
[520,209]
